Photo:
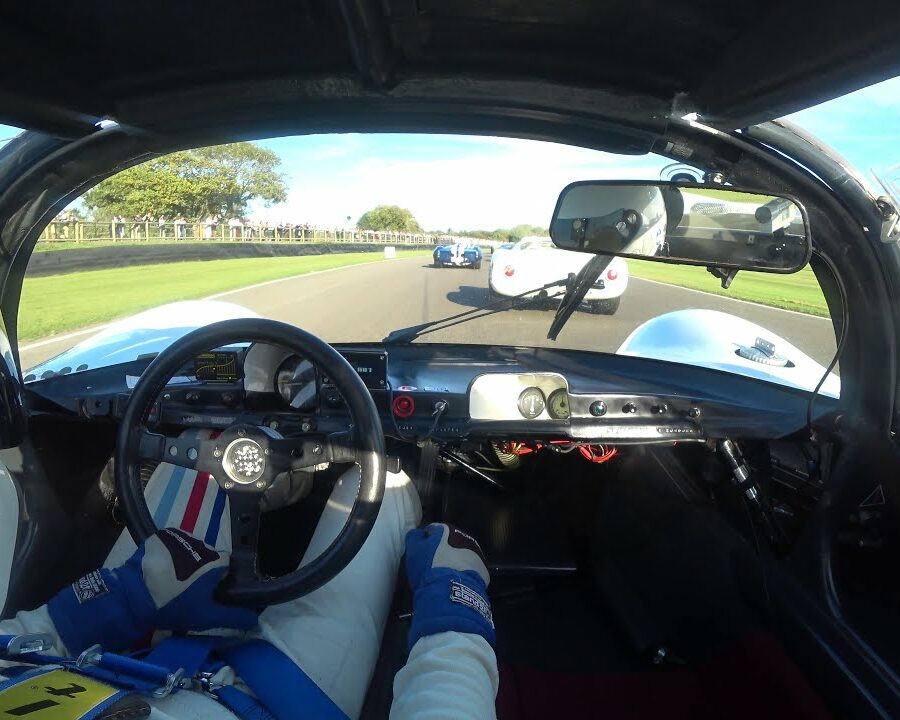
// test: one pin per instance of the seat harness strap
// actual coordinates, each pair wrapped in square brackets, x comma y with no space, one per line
[280,689]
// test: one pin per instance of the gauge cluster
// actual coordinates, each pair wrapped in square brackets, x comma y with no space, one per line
[532,403]
[514,396]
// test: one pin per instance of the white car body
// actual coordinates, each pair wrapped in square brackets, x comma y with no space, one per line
[148,332]
[536,261]
[717,340]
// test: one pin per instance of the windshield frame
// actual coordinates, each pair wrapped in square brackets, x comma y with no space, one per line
[46,186]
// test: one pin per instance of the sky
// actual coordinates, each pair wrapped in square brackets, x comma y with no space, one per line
[459,183]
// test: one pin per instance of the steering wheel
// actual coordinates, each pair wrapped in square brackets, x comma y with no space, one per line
[246,459]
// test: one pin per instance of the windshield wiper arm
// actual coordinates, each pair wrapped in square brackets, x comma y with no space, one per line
[576,291]
[408,334]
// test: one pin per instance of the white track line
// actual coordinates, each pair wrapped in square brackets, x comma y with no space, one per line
[97,328]
[731,299]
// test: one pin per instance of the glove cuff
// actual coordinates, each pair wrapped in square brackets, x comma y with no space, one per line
[449,600]
[106,607]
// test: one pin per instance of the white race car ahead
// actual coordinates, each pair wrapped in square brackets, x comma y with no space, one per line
[536,261]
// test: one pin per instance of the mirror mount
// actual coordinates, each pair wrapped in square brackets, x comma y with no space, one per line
[725,275]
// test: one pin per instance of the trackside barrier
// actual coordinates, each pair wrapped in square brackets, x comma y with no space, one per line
[87,232]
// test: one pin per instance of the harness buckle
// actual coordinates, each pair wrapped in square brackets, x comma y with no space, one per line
[30,643]
[173,681]
[205,681]
[91,656]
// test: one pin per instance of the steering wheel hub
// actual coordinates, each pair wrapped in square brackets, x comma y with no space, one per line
[244,461]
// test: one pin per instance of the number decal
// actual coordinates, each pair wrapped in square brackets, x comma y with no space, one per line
[55,695]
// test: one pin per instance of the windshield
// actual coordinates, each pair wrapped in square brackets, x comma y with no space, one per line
[353,236]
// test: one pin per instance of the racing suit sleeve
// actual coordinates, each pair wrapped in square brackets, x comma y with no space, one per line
[168,583]
[448,675]
[452,669]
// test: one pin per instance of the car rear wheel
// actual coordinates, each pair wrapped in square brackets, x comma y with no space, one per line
[476,265]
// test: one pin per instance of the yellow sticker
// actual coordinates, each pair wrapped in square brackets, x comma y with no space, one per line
[56,695]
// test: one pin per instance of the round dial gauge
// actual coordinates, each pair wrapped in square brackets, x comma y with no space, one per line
[531,403]
[558,404]
[296,383]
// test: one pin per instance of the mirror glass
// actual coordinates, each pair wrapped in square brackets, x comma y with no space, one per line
[717,226]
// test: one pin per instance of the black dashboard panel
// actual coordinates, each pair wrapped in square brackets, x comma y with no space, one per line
[370,365]
[645,400]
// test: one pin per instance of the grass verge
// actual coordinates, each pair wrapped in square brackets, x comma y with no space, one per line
[60,303]
[799,291]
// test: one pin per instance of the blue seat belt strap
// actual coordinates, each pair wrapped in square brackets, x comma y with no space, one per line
[281,686]
[281,690]
[243,705]
[191,652]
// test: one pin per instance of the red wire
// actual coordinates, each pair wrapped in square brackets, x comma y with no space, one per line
[591,453]
[587,452]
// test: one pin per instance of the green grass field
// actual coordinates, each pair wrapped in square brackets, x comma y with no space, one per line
[799,291]
[59,303]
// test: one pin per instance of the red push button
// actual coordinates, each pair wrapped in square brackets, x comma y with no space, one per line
[404,406]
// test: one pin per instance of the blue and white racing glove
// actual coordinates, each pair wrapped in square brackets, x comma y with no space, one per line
[449,579]
[167,584]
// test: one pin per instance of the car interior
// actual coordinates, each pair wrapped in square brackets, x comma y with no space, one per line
[663,539]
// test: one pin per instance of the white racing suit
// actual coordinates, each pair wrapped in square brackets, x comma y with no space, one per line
[334,633]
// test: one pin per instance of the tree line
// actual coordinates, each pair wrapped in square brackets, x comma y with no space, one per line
[221,181]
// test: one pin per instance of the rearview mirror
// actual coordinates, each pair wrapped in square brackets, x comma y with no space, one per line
[688,224]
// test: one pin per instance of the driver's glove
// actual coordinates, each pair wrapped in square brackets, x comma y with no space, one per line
[449,579]
[167,584]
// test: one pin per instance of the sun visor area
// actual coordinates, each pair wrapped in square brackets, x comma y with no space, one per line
[613,122]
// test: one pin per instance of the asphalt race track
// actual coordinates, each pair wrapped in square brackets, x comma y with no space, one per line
[365,302]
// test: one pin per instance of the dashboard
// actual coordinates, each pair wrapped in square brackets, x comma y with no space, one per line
[450,393]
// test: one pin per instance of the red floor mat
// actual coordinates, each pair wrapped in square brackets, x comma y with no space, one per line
[753,680]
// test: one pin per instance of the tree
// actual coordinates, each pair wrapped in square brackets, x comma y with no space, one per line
[389,218]
[218,181]
[506,234]
[520,231]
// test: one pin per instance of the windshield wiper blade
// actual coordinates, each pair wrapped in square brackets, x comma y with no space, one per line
[576,291]
[408,334]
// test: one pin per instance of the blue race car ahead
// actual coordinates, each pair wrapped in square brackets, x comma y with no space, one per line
[458,255]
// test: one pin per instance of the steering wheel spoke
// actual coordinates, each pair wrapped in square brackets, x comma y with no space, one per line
[307,451]
[187,452]
[245,516]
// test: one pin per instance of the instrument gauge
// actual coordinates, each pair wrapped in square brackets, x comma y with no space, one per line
[531,403]
[558,404]
[296,383]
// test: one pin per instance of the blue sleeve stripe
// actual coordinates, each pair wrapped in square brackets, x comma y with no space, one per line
[167,501]
[215,518]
